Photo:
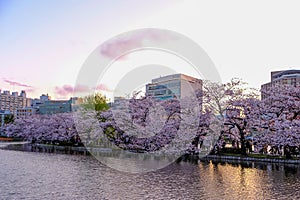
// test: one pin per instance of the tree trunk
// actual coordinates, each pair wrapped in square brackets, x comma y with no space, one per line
[243,143]
[287,152]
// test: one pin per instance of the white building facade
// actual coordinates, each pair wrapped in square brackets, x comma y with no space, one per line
[12,101]
[173,86]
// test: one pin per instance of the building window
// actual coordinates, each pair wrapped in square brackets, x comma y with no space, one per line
[160,92]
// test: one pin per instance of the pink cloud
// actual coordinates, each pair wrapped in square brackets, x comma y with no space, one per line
[26,87]
[14,83]
[134,40]
[103,87]
[64,90]
[30,90]
[68,90]
[81,88]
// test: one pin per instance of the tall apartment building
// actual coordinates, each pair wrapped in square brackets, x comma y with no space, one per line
[284,77]
[12,101]
[173,86]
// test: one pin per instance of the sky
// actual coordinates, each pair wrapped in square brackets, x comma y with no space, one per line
[43,44]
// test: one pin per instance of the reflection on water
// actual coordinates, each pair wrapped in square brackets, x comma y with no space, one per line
[31,175]
[251,181]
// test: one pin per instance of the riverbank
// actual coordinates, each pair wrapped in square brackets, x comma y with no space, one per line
[47,148]
[8,139]
[240,159]
[5,144]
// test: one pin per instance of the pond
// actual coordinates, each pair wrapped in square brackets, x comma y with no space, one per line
[33,175]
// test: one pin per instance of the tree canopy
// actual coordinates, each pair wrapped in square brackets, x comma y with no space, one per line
[97,102]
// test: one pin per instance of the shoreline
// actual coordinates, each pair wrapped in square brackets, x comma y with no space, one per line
[3,144]
[47,148]
[245,159]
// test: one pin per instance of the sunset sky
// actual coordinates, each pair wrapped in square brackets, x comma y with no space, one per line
[43,44]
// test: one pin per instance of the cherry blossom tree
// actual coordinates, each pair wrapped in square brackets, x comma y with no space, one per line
[153,125]
[232,103]
[279,117]
[241,119]
[56,128]
[217,96]
[135,130]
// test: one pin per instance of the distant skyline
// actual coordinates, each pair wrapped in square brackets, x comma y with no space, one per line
[44,43]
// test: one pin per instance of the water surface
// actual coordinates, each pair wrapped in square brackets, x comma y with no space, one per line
[32,175]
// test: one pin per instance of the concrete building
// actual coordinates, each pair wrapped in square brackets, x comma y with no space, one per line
[44,105]
[284,77]
[75,103]
[20,106]
[55,106]
[119,103]
[36,102]
[173,86]
[119,100]
[25,112]
[12,101]
[45,97]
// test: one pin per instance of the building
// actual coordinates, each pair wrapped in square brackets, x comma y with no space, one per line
[35,103]
[12,101]
[44,97]
[55,106]
[75,103]
[25,112]
[44,105]
[173,86]
[119,103]
[21,106]
[284,77]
